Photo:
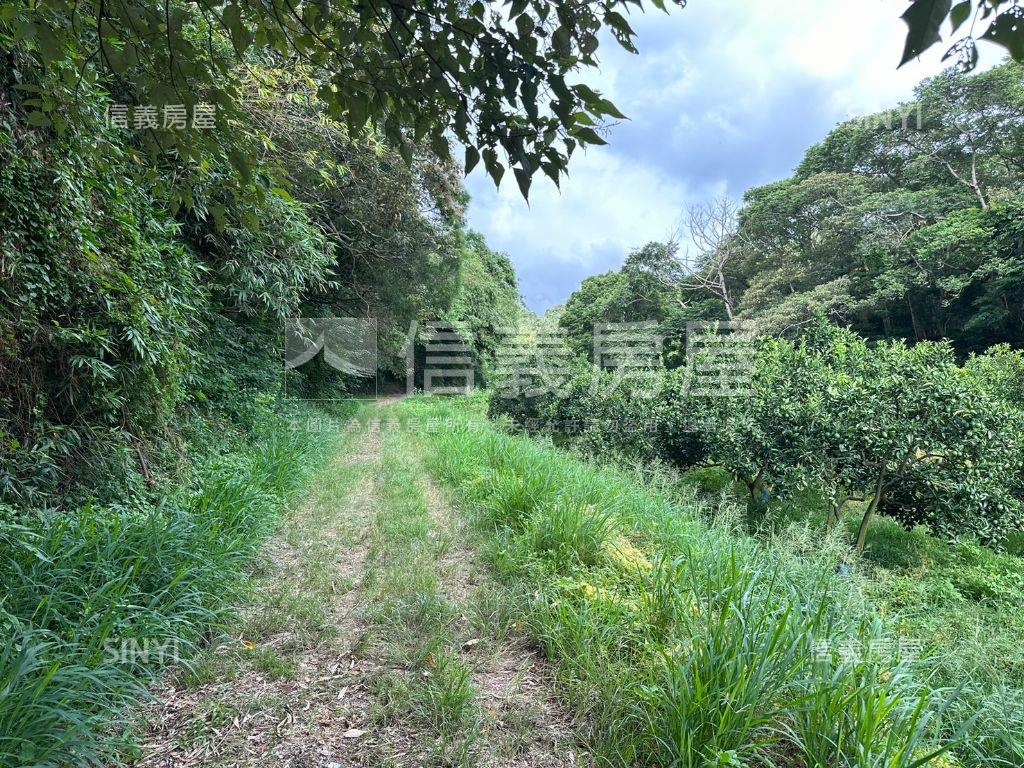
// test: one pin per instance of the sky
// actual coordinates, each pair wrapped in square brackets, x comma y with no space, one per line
[724,95]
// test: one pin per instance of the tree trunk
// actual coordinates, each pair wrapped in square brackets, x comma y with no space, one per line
[723,289]
[869,513]
[754,486]
[976,183]
[832,517]
[913,319]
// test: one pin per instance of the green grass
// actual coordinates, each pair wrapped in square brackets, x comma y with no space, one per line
[415,627]
[684,641]
[98,600]
[960,603]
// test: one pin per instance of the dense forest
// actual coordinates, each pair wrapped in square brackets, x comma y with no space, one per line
[901,225]
[680,577]
[123,318]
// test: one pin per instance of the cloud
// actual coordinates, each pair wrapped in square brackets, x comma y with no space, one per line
[725,95]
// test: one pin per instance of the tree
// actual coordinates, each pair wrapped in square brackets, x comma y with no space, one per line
[895,227]
[644,290]
[903,430]
[504,81]
[971,128]
[713,228]
[487,301]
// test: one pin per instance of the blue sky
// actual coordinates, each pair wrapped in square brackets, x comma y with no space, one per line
[725,95]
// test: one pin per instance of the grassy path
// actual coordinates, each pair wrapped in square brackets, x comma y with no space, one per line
[388,629]
[374,637]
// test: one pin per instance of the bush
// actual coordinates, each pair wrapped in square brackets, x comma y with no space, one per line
[570,533]
[904,430]
[100,301]
[683,423]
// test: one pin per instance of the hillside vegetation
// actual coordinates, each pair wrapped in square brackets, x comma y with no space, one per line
[877,410]
[206,557]
[146,447]
[906,224]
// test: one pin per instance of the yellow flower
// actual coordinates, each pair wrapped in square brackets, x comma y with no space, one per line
[945,760]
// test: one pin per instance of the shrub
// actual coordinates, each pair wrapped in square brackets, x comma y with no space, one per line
[905,430]
[570,533]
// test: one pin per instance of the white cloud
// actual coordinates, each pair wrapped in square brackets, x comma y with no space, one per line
[606,209]
[725,94]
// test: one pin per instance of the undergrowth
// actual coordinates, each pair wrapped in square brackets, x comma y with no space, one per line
[686,642]
[100,599]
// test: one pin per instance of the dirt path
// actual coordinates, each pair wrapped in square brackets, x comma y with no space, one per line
[374,637]
[524,726]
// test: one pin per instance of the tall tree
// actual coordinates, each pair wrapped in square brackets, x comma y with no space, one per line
[713,228]
[901,224]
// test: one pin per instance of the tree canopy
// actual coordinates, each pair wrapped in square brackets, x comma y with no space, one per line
[501,79]
[904,224]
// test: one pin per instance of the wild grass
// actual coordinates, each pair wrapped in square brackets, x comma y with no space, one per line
[98,600]
[683,640]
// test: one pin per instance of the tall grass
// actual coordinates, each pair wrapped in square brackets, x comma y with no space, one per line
[684,642]
[99,599]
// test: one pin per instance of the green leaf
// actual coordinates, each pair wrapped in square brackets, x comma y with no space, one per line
[50,46]
[472,159]
[605,107]
[959,14]
[524,24]
[1008,31]
[439,144]
[38,118]
[494,168]
[588,136]
[523,180]
[924,20]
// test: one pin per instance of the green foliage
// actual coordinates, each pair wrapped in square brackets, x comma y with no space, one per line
[394,230]
[97,600]
[264,267]
[905,430]
[503,80]
[902,224]
[997,21]
[570,533]
[142,449]
[903,427]
[644,290]
[487,303]
[127,315]
[685,643]
[100,304]
[1001,372]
